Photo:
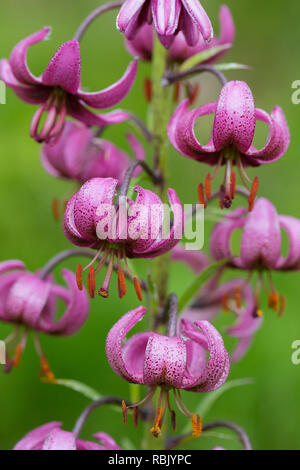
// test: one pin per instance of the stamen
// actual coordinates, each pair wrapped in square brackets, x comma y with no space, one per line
[135,416]
[18,355]
[91,283]
[121,283]
[259,313]
[55,209]
[46,372]
[177,87]
[148,90]
[282,305]
[233,185]
[273,301]
[207,186]
[201,195]
[177,401]
[124,410]
[173,420]
[156,430]
[138,289]
[253,194]
[193,93]
[196,425]
[79,276]
[225,305]
[237,297]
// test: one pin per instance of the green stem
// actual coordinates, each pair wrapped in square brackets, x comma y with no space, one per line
[161,109]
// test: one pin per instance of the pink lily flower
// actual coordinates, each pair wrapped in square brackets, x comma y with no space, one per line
[235,296]
[58,90]
[29,303]
[141,45]
[79,155]
[169,17]
[92,220]
[171,363]
[260,248]
[231,143]
[50,436]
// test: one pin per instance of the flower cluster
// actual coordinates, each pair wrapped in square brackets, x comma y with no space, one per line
[123,210]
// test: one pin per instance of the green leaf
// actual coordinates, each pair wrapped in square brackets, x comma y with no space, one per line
[206,404]
[202,57]
[79,387]
[231,66]
[192,290]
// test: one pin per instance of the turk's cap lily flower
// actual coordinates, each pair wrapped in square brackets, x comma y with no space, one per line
[142,44]
[29,303]
[50,436]
[58,92]
[171,363]
[260,248]
[169,17]
[231,143]
[80,156]
[133,230]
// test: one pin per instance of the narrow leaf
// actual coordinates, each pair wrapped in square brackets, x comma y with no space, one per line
[202,57]
[200,280]
[231,66]
[79,387]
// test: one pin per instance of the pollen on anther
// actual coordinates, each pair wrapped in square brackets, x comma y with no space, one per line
[121,283]
[201,195]
[259,313]
[207,186]
[103,293]
[273,301]
[79,276]
[138,289]
[253,194]
[124,411]
[196,425]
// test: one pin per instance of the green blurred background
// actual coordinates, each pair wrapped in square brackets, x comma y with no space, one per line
[269,410]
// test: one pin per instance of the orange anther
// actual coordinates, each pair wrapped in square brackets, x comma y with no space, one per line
[233,185]
[201,195]
[18,355]
[156,430]
[79,276]
[259,312]
[46,372]
[207,186]
[282,305]
[273,301]
[91,283]
[237,297]
[135,416]
[124,411]
[253,193]
[193,93]
[225,299]
[176,93]
[148,90]
[121,283]
[196,425]
[55,209]
[138,289]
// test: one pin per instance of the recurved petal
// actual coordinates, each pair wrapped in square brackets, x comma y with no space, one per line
[30,94]
[70,229]
[189,29]
[93,200]
[128,10]
[182,135]
[165,15]
[261,239]
[60,440]
[278,139]
[11,265]
[64,69]
[82,114]
[77,308]
[27,299]
[217,367]
[165,361]
[197,260]
[34,440]
[18,58]
[292,227]
[134,355]
[114,344]
[227,28]
[199,17]
[114,93]
[235,117]
[221,235]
